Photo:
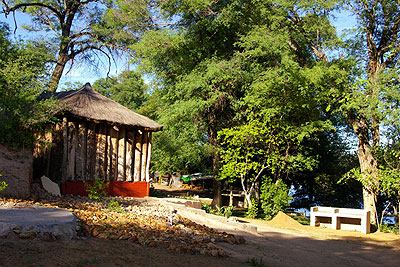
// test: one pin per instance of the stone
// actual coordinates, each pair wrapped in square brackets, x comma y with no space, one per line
[214,252]
[36,221]
[50,186]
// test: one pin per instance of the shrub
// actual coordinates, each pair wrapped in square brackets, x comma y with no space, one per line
[98,190]
[253,211]
[114,206]
[274,197]
[3,184]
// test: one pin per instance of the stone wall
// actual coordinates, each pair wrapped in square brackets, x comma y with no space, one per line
[16,169]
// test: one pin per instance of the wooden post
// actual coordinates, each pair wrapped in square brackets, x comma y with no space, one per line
[91,155]
[109,154]
[72,142]
[144,158]
[101,152]
[138,156]
[114,154]
[49,140]
[81,151]
[130,138]
[121,154]
[65,150]
[149,147]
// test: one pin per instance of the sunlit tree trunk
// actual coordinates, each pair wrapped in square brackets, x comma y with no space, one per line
[58,71]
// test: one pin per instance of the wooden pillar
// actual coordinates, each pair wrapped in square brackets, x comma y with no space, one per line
[65,150]
[143,166]
[121,159]
[101,152]
[130,138]
[149,147]
[80,158]
[91,153]
[138,156]
[72,143]
[113,153]
[49,140]
[109,154]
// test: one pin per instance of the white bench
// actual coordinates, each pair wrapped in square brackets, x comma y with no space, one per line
[341,218]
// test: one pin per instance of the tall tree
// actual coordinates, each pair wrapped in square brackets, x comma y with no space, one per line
[128,89]
[376,46]
[226,60]
[78,28]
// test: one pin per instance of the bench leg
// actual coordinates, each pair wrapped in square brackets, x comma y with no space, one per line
[335,223]
[312,220]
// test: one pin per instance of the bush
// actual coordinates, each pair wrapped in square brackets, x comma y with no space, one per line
[220,211]
[253,211]
[113,205]
[274,197]
[98,190]
[3,184]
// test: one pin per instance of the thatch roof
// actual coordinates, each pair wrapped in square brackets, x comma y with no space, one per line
[88,104]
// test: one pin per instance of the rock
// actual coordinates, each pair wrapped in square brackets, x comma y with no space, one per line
[240,240]
[27,235]
[214,252]
[222,253]
[95,232]
[50,186]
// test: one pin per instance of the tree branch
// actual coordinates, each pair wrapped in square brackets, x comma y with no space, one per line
[9,9]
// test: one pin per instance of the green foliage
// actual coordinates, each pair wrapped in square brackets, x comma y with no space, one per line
[220,211]
[252,212]
[274,197]
[128,89]
[113,205]
[23,77]
[3,184]
[385,228]
[97,191]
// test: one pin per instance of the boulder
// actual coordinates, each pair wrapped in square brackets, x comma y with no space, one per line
[50,186]
[16,167]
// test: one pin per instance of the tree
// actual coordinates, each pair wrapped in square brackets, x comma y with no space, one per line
[78,28]
[233,61]
[23,75]
[128,89]
[370,99]
[253,151]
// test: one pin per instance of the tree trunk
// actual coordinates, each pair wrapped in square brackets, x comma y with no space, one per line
[212,137]
[368,166]
[217,190]
[58,71]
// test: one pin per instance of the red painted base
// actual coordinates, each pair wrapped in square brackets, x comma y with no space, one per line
[115,188]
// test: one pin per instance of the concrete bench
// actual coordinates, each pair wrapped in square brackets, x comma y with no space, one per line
[341,218]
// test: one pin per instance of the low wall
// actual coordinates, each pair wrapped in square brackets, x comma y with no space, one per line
[115,188]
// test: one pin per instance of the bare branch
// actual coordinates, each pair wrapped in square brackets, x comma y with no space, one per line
[9,9]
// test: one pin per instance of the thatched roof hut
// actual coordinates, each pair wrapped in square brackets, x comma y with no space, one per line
[88,104]
[96,136]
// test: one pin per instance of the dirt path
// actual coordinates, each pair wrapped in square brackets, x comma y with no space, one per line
[98,252]
[307,246]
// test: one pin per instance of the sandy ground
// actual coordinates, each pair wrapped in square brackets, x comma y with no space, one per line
[308,246]
[280,242]
[284,242]
[98,252]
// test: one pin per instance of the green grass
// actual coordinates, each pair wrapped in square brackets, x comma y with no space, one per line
[301,219]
